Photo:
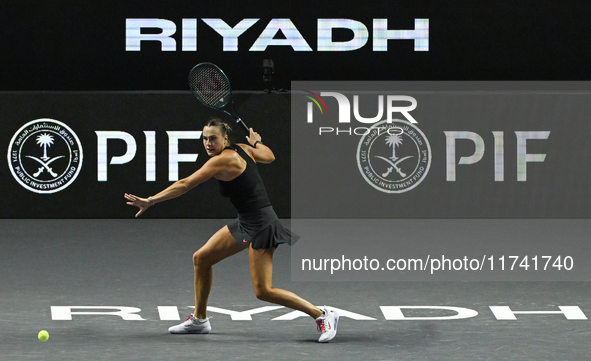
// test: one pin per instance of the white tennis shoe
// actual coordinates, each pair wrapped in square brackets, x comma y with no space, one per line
[327,324]
[192,325]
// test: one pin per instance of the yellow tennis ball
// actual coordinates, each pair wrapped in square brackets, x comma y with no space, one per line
[43,335]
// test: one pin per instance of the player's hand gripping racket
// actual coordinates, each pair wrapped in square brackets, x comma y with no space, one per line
[211,87]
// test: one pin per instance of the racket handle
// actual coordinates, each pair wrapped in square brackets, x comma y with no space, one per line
[243,126]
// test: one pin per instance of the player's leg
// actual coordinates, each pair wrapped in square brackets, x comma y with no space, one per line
[261,272]
[220,246]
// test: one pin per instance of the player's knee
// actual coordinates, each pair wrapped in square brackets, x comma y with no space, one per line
[199,259]
[263,293]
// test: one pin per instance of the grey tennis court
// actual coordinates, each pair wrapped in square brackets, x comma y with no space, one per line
[109,289]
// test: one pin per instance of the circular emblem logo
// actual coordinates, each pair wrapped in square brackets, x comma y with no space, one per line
[394,157]
[45,156]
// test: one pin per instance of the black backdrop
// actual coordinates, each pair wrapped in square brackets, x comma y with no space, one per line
[53,53]
[134,113]
[73,45]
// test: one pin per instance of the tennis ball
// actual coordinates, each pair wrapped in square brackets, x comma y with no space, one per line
[43,335]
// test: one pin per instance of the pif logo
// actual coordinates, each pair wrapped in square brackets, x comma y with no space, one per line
[45,156]
[394,157]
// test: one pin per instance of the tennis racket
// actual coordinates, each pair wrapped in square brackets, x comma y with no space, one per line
[211,87]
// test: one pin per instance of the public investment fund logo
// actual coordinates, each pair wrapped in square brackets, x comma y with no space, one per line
[394,157]
[45,156]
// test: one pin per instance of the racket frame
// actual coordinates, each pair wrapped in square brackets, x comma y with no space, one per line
[230,100]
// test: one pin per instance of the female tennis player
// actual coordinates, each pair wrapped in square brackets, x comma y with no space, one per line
[256,228]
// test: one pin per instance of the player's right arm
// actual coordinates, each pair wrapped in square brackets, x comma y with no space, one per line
[212,167]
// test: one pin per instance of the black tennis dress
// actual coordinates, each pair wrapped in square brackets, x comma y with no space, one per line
[257,222]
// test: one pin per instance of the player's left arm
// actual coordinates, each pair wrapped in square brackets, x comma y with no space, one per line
[258,151]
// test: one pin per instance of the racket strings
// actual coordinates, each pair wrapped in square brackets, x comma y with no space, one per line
[210,86]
